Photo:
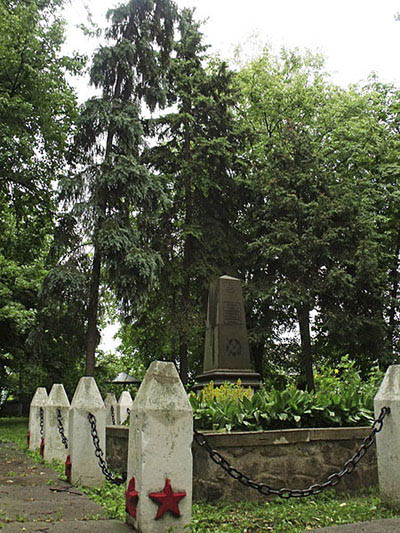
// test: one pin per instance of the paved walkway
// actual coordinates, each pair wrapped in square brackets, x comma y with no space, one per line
[389,525]
[34,500]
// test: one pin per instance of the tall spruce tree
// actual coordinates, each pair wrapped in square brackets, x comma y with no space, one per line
[112,194]
[196,157]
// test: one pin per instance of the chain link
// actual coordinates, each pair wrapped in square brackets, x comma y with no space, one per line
[285,493]
[41,420]
[99,453]
[112,415]
[61,429]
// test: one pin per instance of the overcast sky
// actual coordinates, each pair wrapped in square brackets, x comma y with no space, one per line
[356,36]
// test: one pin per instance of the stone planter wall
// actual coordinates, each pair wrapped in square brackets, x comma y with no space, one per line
[294,458]
[117,448]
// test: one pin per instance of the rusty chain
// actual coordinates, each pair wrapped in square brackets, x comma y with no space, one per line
[284,492]
[99,453]
[61,429]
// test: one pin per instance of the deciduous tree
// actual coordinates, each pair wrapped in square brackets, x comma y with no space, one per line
[37,110]
[312,221]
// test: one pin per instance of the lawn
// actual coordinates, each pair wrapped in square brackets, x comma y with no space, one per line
[289,516]
[14,429]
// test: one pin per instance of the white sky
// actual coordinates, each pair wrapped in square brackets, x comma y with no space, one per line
[356,36]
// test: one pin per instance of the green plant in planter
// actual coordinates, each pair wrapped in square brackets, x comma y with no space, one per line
[341,398]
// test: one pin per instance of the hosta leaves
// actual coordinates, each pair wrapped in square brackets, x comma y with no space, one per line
[338,401]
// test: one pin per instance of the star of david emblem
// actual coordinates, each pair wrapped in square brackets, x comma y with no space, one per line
[233,347]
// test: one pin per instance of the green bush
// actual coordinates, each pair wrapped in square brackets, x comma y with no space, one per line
[341,398]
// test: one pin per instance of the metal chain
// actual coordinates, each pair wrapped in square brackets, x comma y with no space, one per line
[61,429]
[99,453]
[41,420]
[112,415]
[286,493]
[128,411]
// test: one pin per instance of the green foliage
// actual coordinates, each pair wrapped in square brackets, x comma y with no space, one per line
[37,111]
[341,398]
[290,516]
[293,515]
[196,155]
[109,365]
[111,196]
[313,221]
[14,430]
[36,105]
[111,497]
[271,174]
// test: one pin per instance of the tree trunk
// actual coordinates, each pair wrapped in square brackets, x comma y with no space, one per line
[91,339]
[394,280]
[183,360]
[92,336]
[257,357]
[303,314]
[187,262]
[185,307]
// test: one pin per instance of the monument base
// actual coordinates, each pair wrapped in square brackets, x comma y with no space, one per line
[248,378]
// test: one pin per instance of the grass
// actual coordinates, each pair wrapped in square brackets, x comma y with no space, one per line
[289,516]
[294,515]
[15,430]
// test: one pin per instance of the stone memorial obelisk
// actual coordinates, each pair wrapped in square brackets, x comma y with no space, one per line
[226,352]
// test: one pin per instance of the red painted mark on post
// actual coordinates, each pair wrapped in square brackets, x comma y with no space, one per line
[68,466]
[167,500]
[131,498]
[42,447]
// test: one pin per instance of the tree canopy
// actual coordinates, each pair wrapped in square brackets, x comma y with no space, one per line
[37,112]
[180,169]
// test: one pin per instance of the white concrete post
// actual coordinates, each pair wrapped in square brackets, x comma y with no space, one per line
[57,401]
[387,440]
[124,406]
[159,491]
[85,469]
[111,409]
[36,431]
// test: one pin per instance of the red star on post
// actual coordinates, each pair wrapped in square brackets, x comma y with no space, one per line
[167,500]
[131,498]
